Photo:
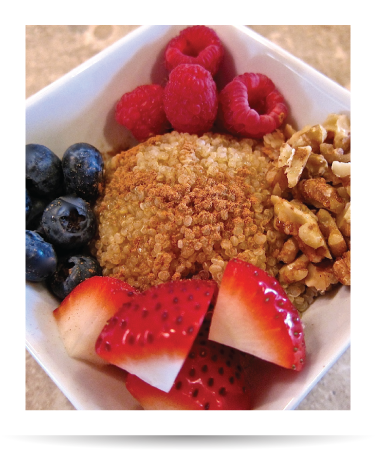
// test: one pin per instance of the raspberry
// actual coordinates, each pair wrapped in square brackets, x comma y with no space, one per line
[251,106]
[142,111]
[195,45]
[191,99]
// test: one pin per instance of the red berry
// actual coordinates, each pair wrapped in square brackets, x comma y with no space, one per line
[195,45]
[142,111]
[253,314]
[251,106]
[212,377]
[191,99]
[152,335]
[84,312]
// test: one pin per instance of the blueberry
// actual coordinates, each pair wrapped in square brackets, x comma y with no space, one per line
[69,222]
[28,205]
[70,272]
[34,218]
[82,166]
[41,260]
[44,176]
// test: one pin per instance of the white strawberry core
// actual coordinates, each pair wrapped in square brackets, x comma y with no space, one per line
[158,371]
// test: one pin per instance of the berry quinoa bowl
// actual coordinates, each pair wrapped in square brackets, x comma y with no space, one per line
[222,205]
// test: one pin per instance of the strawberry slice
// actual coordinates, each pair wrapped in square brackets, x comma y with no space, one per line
[152,335]
[253,314]
[84,312]
[212,377]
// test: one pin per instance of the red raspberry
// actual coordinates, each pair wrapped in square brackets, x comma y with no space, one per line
[251,106]
[195,45]
[142,111]
[191,99]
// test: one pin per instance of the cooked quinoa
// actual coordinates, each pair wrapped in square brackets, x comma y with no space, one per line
[179,206]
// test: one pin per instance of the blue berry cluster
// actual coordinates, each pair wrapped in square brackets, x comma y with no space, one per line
[60,222]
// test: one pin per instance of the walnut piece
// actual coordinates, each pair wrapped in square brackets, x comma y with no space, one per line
[331,233]
[317,192]
[311,136]
[289,251]
[316,165]
[321,276]
[294,160]
[343,220]
[294,218]
[339,125]
[332,154]
[341,269]
[341,169]
[295,271]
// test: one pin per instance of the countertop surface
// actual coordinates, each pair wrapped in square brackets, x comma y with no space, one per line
[53,50]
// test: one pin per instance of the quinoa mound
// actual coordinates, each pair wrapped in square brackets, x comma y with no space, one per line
[181,206]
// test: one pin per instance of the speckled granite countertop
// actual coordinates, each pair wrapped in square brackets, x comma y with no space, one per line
[53,50]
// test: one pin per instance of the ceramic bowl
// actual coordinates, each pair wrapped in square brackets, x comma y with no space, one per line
[79,107]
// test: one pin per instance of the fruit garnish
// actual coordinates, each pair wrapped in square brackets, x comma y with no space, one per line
[71,270]
[253,314]
[41,258]
[198,44]
[69,222]
[142,111]
[212,377]
[84,312]
[44,176]
[82,166]
[191,99]
[29,205]
[250,106]
[152,335]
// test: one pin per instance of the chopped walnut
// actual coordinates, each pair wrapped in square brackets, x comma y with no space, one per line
[332,154]
[321,276]
[346,184]
[311,136]
[344,192]
[341,269]
[343,221]
[315,255]
[339,126]
[289,131]
[294,159]
[294,218]
[341,169]
[277,179]
[331,233]
[289,251]
[316,165]
[295,271]
[331,178]
[317,192]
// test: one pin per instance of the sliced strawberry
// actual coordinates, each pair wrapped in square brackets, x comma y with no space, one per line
[83,313]
[212,377]
[253,314]
[151,336]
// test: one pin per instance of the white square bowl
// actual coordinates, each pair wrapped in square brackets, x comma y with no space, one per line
[80,107]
